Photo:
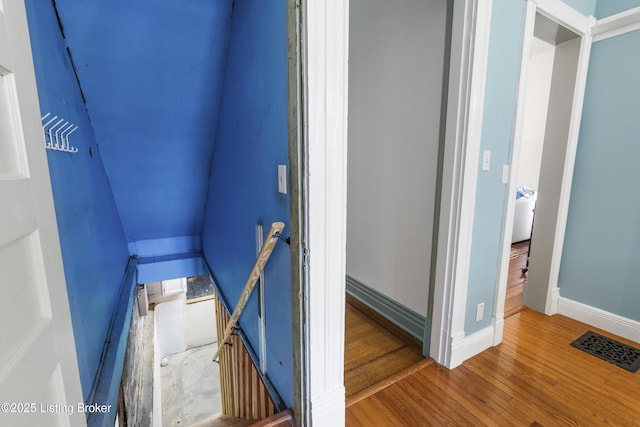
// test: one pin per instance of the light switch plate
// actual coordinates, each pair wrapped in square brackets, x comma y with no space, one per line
[505,174]
[486,160]
[480,312]
[282,179]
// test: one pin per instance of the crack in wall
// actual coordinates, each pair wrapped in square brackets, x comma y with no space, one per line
[69,54]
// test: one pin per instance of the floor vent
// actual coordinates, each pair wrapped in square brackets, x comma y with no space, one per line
[612,351]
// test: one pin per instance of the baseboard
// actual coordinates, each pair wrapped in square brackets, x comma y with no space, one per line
[498,331]
[552,302]
[329,409]
[621,326]
[465,347]
[395,312]
[106,386]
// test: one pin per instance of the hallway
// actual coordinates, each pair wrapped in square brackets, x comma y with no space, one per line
[533,378]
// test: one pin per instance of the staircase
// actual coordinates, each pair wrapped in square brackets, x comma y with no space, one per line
[246,400]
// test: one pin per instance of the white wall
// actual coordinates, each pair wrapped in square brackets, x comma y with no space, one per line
[537,105]
[170,325]
[200,323]
[396,57]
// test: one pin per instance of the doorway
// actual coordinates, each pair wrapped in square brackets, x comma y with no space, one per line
[528,165]
[397,56]
[544,146]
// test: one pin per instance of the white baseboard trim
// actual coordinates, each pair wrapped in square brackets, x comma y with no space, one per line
[498,330]
[622,326]
[464,348]
[552,302]
[329,409]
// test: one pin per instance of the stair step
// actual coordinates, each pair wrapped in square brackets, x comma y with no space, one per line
[281,419]
[220,420]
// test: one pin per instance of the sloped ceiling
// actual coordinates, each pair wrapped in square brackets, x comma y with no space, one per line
[151,73]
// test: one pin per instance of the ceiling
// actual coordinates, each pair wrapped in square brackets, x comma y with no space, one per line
[151,73]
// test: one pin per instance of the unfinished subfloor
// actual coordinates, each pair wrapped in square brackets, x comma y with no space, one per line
[190,386]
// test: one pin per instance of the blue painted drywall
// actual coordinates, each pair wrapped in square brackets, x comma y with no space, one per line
[151,73]
[606,8]
[167,246]
[155,269]
[599,261]
[251,141]
[503,72]
[94,248]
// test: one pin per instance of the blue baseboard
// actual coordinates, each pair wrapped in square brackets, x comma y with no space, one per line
[106,387]
[393,311]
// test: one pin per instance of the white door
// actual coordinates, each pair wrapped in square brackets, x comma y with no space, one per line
[39,380]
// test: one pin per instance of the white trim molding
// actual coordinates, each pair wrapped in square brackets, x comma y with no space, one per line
[563,14]
[616,25]
[469,54]
[569,164]
[327,45]
[464,348]
[324,408]
[621,326]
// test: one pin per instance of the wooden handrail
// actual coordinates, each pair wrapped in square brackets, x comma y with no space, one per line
[258,267]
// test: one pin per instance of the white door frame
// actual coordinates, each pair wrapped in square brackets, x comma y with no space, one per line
[326,46]
[468,64]
[564,15]
[326,82]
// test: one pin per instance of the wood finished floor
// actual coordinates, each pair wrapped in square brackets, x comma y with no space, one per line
[373,353]
[515,281]
[534,378]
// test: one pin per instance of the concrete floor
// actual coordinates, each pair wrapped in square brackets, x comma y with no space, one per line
[190,386]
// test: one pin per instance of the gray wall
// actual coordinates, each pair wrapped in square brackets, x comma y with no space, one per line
[395,89]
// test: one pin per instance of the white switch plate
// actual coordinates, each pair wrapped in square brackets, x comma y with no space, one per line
[480,312]
[486,160]
[505,174]
[282,179]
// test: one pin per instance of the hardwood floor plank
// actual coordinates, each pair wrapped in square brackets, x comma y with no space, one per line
[373,389]
[373,353]
[515,281]
[386,324]
[535,377]
[374,371]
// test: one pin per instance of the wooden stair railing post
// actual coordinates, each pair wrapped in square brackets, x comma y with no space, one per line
[263,256]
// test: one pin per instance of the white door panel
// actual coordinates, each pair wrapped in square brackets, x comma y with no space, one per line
[39,380]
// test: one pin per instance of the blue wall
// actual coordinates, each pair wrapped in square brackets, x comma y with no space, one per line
[507,28]
[94,248]
[585,7]
[605,8]
[251,141]
[151,72]
[155,269]
[599,262]
[503,72]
